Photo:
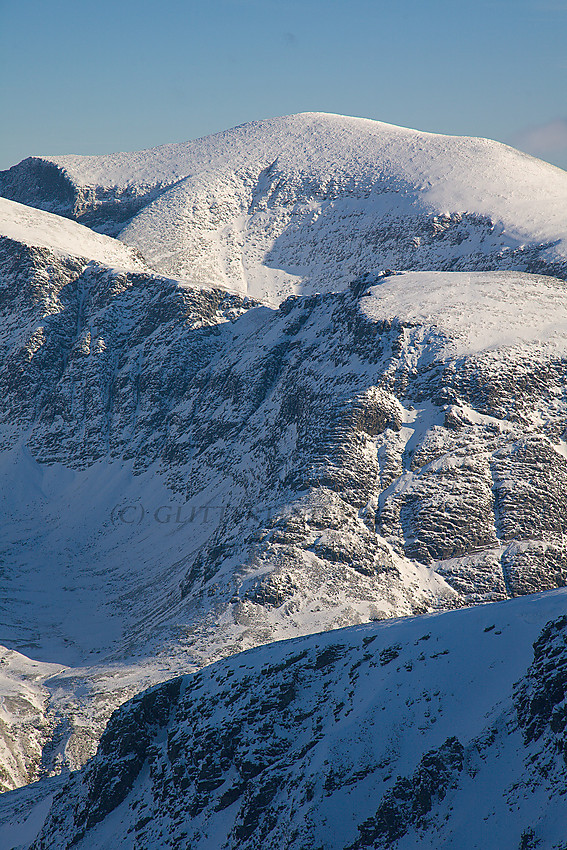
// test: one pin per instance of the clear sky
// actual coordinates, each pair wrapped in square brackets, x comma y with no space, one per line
[106,75]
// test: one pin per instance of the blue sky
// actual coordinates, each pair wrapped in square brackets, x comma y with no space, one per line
[99,76]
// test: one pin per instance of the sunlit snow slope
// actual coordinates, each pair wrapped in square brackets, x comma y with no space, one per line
[306,202]
[64,238]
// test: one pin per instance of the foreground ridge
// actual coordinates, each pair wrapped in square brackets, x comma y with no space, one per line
[374,736]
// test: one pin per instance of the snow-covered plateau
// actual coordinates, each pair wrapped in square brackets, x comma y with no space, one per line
[234,425]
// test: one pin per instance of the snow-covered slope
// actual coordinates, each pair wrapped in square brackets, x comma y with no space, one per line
[306,202]
[50,514]
[64,238]
[434,732]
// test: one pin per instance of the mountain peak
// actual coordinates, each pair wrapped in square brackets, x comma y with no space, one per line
[305,203]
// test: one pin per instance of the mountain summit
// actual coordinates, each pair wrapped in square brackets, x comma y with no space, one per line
[306,202]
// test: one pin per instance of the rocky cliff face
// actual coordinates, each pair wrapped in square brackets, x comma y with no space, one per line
[338,438]
[242,475]
[72,338]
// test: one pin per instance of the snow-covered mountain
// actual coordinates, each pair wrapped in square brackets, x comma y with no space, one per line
[187,473]
[53,282]
[307,202]
[439,731]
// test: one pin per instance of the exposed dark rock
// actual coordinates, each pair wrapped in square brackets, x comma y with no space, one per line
[541,699]
[410,801]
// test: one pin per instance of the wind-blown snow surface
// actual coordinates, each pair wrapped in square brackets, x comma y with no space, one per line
[475,313]
[306,202]
[438,731]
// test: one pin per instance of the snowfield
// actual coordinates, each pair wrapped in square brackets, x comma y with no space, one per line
[475,312]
